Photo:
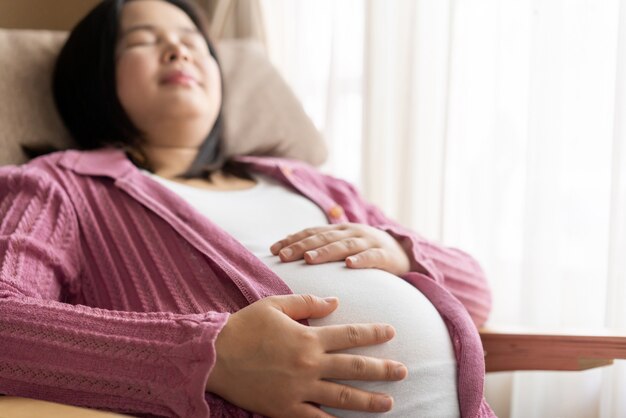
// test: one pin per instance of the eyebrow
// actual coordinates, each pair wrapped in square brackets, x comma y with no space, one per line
[154,29]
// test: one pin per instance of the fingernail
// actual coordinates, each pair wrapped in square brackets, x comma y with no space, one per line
[312,254]
[400,372]
[352,259]
[330,299]
[385,403]
[389,331]
[287,252]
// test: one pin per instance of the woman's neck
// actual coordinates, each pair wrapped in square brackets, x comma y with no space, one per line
[168,161]
[171,162]
[172,144]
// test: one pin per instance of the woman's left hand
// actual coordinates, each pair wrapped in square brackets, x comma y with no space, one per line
[361,246]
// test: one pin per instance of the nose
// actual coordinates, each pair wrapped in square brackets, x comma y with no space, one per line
[175,52]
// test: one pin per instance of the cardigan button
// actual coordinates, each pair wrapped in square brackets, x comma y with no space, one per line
[336,212]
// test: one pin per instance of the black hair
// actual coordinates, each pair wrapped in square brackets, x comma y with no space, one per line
[84,89]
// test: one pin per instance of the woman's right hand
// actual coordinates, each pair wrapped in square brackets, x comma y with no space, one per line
[269,363]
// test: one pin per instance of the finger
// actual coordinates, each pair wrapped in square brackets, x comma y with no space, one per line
[304,306]
[340,396]
[370,258]
[290,239]
[336,251]
[353,367]
[296,250]
[341,337]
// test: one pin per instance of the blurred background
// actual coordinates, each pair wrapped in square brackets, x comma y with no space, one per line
[495,126]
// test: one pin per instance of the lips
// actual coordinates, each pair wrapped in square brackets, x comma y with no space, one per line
[179,77]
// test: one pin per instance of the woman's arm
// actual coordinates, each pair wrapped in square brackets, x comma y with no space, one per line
[129,362]
[259,358]
[454,269]
[398,250]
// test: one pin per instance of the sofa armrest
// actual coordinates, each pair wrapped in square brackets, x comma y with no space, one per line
[15,407]
[525,349]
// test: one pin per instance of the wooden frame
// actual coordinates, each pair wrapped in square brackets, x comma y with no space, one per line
[15,407]
[510,350]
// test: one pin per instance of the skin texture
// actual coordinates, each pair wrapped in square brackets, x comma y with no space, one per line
[267,362]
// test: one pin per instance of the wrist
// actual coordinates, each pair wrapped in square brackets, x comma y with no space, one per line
[216,377]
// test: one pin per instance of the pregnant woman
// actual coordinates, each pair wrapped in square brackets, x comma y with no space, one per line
[147,274]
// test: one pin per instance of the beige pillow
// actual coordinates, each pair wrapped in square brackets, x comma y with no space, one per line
[261,114]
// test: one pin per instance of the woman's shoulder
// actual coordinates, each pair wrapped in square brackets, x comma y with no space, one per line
[272,162]
[288,166]
[35,179]
[306,175]
[42,167]
[68,162]
[59,169]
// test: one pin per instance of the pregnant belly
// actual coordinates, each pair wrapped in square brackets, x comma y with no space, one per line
[422,342]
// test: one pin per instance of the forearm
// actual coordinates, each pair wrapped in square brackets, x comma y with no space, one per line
[143,363]
[453,269]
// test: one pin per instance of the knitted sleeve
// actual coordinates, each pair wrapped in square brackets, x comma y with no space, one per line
[129,362]
[454,269]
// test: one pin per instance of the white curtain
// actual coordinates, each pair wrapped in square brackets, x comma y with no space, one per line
[498,126]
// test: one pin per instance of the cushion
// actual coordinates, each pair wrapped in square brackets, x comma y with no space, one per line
[262,116]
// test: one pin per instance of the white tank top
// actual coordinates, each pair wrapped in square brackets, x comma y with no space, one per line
[268,212]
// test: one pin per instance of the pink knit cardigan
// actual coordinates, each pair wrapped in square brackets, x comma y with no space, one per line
[113,289]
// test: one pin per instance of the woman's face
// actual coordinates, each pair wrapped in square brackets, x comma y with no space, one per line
[165,72]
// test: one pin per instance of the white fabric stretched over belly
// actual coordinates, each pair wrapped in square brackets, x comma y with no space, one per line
[421,343]
[260,216]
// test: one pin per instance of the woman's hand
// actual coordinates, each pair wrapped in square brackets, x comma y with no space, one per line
[362,246]
[269,363]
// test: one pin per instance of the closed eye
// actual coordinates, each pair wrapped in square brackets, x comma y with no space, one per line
[140,42]
[140,37]
[194,41]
